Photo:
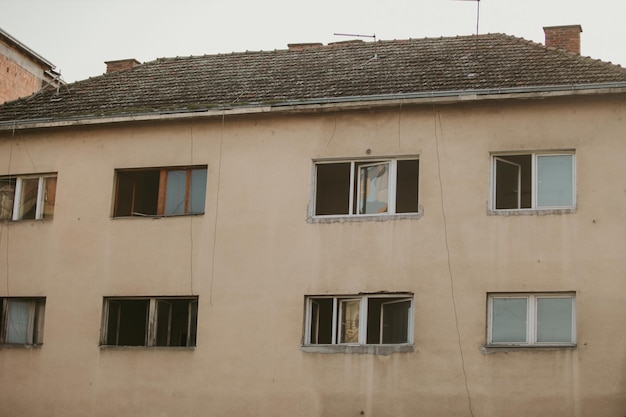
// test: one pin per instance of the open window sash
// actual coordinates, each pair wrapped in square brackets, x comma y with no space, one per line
[395,317]
[348,325]
[373,188]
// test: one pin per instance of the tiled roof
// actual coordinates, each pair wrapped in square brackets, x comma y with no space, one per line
[344,69]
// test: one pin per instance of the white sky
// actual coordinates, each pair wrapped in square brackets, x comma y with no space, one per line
[78,36]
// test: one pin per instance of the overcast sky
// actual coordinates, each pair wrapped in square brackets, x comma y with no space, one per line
[78,36]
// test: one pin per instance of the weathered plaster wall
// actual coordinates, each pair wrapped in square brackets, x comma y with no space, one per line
[252,257]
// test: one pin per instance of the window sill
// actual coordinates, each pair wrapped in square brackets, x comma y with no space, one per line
[489,349]
[363,218]
[358,349]
[18,346]
[155,216]
[531,212]
[113,347]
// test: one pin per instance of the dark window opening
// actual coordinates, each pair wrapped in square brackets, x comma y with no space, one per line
[366,187]
[160,192]
[339,320]
[167,321]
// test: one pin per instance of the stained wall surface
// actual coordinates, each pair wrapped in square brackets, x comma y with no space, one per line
[254,255]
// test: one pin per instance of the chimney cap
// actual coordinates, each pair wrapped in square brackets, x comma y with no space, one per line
[579,27]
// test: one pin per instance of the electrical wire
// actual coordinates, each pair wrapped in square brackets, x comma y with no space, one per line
[217,200]
[437,120]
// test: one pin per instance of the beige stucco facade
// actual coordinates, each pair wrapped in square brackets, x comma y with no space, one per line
[255,253]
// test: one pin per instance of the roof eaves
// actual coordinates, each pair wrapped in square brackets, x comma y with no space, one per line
[330,104]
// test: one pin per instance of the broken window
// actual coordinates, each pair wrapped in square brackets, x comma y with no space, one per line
[366,187]
[359,319]
[170,191]
[27,197]
[21,320]
[533,181]
[150,321]
[532,319]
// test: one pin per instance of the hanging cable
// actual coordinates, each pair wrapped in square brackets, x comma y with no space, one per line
[437,120]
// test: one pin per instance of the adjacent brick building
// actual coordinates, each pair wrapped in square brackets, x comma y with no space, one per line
[22,71]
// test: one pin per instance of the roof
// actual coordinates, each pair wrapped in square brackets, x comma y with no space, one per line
[343,71]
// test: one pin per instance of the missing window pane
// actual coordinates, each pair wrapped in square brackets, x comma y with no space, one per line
[332,188]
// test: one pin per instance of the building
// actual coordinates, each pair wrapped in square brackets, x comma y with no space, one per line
[23,71]
[426,227]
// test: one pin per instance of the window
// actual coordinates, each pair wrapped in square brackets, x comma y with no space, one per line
[532,319]
[533,181]
[355,188]
[359,319]
[27,197]
[171,191]
[21,321]
[150,321]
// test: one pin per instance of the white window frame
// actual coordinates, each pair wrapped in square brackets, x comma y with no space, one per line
[531,319]
[534,180]
[34,320]
[363,318]
[355,187]
[19,189]
[151,326]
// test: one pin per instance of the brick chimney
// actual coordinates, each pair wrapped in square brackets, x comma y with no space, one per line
[301,46]
[121,65]
[564,37]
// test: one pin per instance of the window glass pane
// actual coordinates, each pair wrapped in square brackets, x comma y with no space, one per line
[7,195]
[373,188]
[554,320]
[395,321]
[407,186]
[176,192]
[28,200]
[509,318]
[49,197]
[349,329]
[332,189]
[555,180]
[198,191]
[18,322]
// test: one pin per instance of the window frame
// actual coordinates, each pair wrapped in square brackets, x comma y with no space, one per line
[355,189]
[40,200]
[364,322]
[531,319]
[35,320]
[152,328]
[534,179]
[161,203]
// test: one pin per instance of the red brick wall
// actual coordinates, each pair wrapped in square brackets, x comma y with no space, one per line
[564,37]
[15,81]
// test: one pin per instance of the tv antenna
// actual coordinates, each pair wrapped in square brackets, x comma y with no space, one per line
[373,36]
[477,13]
